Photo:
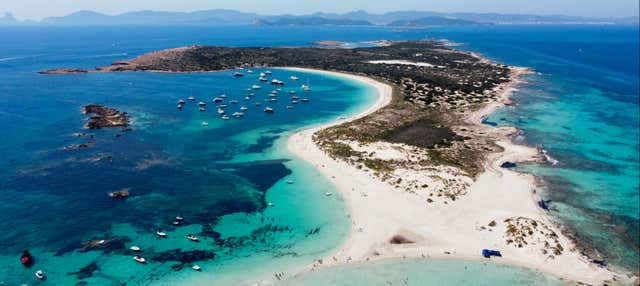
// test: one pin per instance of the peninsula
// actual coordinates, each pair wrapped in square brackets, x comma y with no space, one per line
[419,171]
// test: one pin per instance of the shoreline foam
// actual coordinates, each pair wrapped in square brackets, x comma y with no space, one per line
[454,231]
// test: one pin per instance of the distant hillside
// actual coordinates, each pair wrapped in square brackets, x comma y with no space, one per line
[312,21]
[359,18]
[434,21]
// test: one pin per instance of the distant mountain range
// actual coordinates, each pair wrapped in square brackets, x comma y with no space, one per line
[358,18]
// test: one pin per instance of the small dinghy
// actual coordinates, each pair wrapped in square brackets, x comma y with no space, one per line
[193,238]
[161,233]
[196,268]
[139,259]
[135,248]
[40,274]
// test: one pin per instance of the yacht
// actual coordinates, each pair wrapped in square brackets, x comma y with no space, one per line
[134,248]
[196,268]
[218,99]
[201,103]
[139,259]
[263,79]
[161,233]
[40,274]
[277,82]
[193,238]
[268,110]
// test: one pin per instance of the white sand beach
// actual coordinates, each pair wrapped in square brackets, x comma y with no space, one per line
[457,229]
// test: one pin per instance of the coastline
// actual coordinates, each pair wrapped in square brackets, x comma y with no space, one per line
[458,231]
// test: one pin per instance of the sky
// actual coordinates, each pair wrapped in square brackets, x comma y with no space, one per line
[38,9]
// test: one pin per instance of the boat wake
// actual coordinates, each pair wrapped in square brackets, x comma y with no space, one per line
[548,158]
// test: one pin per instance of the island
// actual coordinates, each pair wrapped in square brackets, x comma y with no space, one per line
[420,172]
[105,117]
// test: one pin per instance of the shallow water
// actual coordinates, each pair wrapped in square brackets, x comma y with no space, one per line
[423,272]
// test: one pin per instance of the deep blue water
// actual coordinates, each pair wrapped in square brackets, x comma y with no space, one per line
[583,108]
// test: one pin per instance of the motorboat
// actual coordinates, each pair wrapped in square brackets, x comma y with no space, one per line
[40,274]
[204,123]
[181,101]
[277,82]
[271,204]
[249,71]
[218,99]
[289,182]
[292,92]
[328,194]
[203,109]
[268,110]
[179,106]
[263,79]
[191,98]
[257,103]
[179,218]
[255,86]
[294,78]
[238,74]
[294,97]
[237,114]
[233,102]
[134,248]
[201,103]
[26,259]
[247,98]
[294,102]
[263,74]
[305,100]
[176,222]
[140,259]
[243,108]
[222,106]
[193,238]
[161,233]
[223,96]
[268,72]
[273,99]
[220,111]
[196,268]
[224,117]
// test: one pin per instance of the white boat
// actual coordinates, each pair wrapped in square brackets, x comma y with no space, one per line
[294,78]
[328,194]
[217,99]
[270,204]
[289,107]
[263,74]
[179,106]
[139,259]
[255,86]
[40,274]
[222,106]
[243,108]
[233,102]
[289,182]
[191,98]
[273,95]
[161,233]
[249,71]
[176,223]
[193,238]
[224,117]
[220,111]
[223,96]
[201,103]
[294,97]
[294,102]
[292,92]
[237,114]
[277,82]
[268,109]
[306,87]
[196,268]
[305,100]
[134,248]
[273,99]
[257,103]
[247,98]
[263,79]
[181,101]
[203,109]
[268,72]
[179,218]
[238,74]
[204,123]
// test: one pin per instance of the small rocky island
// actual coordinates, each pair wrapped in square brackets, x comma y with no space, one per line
[103,116]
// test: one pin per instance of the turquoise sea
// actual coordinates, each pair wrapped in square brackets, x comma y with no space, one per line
[229,179]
